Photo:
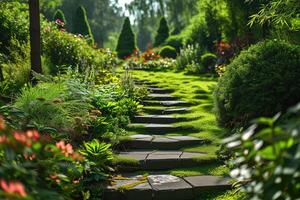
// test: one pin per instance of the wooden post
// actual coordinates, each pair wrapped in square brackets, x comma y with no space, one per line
[35,37]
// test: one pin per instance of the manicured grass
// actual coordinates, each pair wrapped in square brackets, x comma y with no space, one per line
[211,169]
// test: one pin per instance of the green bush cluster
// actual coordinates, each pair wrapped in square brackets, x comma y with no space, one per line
[168,52]
[188,55]
[59,14]
[126,42]
[261,81]
[162,32]
[175,41]
[208,60]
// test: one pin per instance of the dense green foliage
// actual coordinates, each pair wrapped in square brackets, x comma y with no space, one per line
[168,52]
[208,60]
[175,41]
[188,55]
[261,81]
[59,14]
[162,32]
[267,157]
[81,24]
[126,43]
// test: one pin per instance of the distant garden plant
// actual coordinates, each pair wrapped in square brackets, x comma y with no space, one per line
[162,32]
[126,42]
[59,15]
[261,81]
[81,25]
[168,52]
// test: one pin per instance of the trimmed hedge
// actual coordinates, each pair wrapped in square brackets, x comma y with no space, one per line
[208,59]
[168,52]
[126,42]
[175,41]
[261,81]
[162,32]
[81,24]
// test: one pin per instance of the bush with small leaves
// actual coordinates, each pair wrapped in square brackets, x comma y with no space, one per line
[261,81]
[168,52]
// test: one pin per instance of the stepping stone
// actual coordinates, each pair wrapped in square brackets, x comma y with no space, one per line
[161,97]
[168,187]
[165,111]
[161,119]
[155,128]
[135,189]
[204,183]
[165,103]
[160,160]
[161,143]
[160,90]
[163,187]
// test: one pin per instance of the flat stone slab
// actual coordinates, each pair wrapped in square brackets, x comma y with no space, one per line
[161,97]
[170,187]
[165,103]
[160,160]
[164,187]
[159,142]
[155,128]
[160,119]
[166,111]
[204,183]
[160,90]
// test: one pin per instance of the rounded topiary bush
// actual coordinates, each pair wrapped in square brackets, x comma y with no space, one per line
[168,52]
[208,60]
[261,81]
[175,41]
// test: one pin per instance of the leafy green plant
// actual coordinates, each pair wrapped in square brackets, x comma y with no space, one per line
[175,41]
[126,42]
[188,55]
[267,157]
[168,52]
[209,60]
[261,81]
[59,15]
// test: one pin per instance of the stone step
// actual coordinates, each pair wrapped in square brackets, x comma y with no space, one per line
[166,111]
[165,103]
[155,128]
[159,160]
[162,119]
[160,90]
[161,97]
[164,187]
[161,143]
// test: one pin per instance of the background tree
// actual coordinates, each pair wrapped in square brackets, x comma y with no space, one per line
[81,24]
[126,43]
[162,32]
[35,36]
[59,14]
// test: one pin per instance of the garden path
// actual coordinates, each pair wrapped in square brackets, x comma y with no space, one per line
[155,146]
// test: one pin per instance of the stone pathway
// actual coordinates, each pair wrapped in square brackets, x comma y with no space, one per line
[153,149]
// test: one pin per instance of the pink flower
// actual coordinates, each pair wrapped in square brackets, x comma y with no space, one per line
[33,134]
[3,139]
[22,138]
[13,187]
[66,149]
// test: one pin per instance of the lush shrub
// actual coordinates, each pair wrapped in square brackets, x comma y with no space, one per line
[188,55]
[208,60]
[35,166]
[162,32]
[126,42]
[81,24]
[175,41]
[261,81]
[168,52]
[59,15]
[267,157]
[195,68]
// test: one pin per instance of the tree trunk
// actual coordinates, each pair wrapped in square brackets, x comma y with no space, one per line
[35,37]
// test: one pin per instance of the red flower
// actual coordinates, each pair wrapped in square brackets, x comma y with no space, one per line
[13,187]
[33,134]
[2,123]
[66,149]
[3,139]
[22,138]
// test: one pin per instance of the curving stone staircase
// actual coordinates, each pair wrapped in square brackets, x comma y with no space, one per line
[153,150]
